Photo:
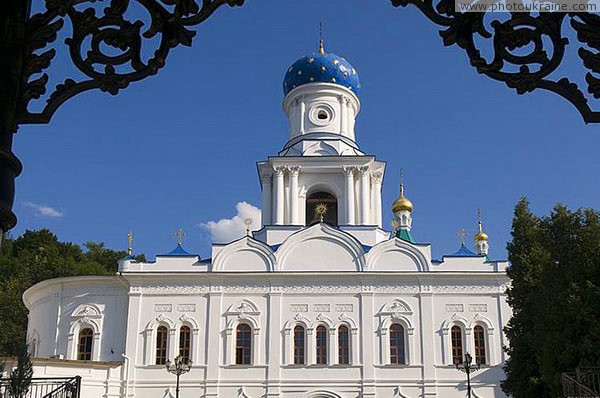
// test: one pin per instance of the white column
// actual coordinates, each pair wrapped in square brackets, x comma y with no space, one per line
[377,177]
[343,115]
[267,209]
[294,171]
[278,196]
[365,218]
[350,210]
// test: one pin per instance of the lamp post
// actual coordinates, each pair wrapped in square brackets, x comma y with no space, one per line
[467,368]
[179,366]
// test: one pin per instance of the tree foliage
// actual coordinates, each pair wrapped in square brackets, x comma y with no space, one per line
[20,378]
[36,256]
[555,298]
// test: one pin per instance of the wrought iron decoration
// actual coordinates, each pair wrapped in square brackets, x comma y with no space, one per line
[171,19]
[519,31]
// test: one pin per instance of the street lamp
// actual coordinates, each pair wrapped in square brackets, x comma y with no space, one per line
[179,366]
[468,369]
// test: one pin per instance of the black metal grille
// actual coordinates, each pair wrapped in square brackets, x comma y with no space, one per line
[49,387]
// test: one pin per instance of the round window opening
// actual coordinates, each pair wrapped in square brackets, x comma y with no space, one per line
[322,115]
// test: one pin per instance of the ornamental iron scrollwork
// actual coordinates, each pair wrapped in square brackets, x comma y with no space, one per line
[92,35]
[526,32]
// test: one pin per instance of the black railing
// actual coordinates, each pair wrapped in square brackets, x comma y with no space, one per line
[584,383]
[49,387]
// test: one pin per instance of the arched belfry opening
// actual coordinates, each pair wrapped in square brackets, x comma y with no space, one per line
[315,209]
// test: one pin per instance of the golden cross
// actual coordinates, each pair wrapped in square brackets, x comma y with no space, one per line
[130,243]
[462,234]
[180,234]
[248,222]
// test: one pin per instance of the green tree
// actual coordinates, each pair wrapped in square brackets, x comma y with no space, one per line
[555,298]
[20,377]
[36,256]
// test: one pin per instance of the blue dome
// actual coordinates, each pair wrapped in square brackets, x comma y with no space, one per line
[321,67]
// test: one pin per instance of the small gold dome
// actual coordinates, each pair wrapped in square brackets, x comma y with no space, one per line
[480,236]
[402,203]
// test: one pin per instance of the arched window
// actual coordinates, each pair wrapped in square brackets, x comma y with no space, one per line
[243,345]
[321,345]
[162,334]
[457,344]
[397,355]
[330,216]
[343,345]
[298,345]
[479,335]
[185,339]
[84,346]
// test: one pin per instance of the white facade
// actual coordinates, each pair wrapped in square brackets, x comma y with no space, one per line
[377,312]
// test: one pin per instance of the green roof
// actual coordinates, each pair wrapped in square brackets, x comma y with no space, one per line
[405,234]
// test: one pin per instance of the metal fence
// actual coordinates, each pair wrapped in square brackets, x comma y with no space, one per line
[576,387]
[49,387]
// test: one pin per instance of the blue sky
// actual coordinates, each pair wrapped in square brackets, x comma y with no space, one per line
[179,149]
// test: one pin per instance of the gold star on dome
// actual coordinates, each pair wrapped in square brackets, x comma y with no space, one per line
[323,68]
[321,209]
[312,79]
[333,79]
[335,62]
[299,72]
[311,60]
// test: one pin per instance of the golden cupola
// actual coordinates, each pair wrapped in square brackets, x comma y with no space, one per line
[402,203]
[481,239]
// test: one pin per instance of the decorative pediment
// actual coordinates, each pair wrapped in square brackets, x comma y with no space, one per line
[90,311]
[244,255]
[396,307]
[320,148]
[320,247]
[245,307]
[396,255]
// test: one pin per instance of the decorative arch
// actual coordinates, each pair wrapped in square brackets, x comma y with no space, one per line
[149,335]
[305,251]
[245,311]
[396,255]
[244,255]
[160,319]
[490,341]
[85,316]
[288,337]
[399,312]
[454,320]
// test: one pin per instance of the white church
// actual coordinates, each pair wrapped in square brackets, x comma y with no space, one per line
[320,302]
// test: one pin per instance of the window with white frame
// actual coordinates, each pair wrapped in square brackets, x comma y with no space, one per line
[456,338]
[480,345]
[162,336]
[343,345]
[299,345]
[243,345]
[321,346]
[397,345]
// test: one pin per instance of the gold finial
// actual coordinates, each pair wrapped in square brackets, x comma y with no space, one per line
[179,234]
[462,234]
[321,209]
[130,243]
[321,46]
[480,235]
[402,203]
[248,222]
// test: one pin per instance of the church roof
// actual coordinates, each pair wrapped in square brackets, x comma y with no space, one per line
[464,251]
[178,251]
[321,67]
[405,234]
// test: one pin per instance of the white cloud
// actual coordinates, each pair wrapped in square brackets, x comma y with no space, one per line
[43,210]
[228,229]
